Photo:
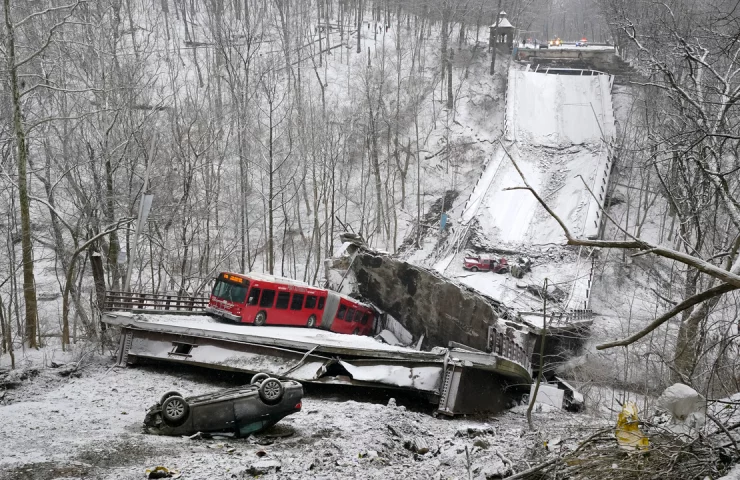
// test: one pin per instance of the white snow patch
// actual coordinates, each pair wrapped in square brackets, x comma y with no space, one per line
[422,378]
[297,334]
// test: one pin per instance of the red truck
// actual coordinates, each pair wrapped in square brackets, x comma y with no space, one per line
[485,263]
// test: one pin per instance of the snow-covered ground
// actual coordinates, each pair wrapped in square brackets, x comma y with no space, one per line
[56,427]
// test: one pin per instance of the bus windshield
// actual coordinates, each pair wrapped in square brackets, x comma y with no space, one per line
[229,291]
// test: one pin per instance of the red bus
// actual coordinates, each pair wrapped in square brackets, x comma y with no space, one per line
[261,299]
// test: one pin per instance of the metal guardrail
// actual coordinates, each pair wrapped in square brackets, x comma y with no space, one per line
[564,317]
[153,302]
[571,71]
[502,345]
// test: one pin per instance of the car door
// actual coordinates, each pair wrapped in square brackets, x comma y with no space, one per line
[214,416]
[250,414]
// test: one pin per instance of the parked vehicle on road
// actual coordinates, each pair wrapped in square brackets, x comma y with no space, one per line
[261,299]
[582,43]
[485,263]
[242,410]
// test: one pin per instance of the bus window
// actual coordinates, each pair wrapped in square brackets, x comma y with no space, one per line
[297,302]
[230,292]
[358,316]
[365,318]
[311,301]
[282,300]
[350,314]
[268,296]
[254,296]
[341,312]
[321,303]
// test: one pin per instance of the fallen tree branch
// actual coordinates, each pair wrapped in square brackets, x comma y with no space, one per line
[724,429]
[730,278]
[548,463]
[534,469]
[688,303]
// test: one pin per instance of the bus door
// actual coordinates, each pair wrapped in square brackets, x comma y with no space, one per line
[330,310]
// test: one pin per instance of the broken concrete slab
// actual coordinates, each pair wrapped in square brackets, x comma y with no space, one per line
[426,303]
[548,395]
[263,467]
[386,336]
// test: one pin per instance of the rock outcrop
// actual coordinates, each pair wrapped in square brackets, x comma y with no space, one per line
[426,303]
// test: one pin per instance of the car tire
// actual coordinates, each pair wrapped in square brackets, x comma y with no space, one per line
[311,321]
[271,391]
[168,395]
[474,269]
[261,318]
[259,378]
[175,411]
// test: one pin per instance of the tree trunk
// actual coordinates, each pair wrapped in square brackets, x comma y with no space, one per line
[495,40]
[359,24]
[450,96]
[114,248]
[270,208]
[445,35]
[29,284]
[7,336]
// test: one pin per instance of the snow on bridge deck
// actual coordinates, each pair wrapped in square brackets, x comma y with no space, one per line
[558,128]
[555,133]
[287,337]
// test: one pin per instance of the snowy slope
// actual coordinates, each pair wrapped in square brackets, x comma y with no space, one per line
[557,110]
[557,127]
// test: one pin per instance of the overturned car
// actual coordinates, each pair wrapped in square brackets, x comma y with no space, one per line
[242,410]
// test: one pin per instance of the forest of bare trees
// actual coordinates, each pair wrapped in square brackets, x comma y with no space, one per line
[265,128]
[678,158]
[261,128]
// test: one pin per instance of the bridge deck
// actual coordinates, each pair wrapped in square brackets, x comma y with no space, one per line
[317,356]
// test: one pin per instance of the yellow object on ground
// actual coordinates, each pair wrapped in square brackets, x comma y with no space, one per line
[628,431]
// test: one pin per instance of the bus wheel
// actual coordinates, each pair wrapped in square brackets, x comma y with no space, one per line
[311,321]
[261,318]
[356,332]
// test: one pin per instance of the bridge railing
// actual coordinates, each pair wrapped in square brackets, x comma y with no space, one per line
[153,302]
[505,346]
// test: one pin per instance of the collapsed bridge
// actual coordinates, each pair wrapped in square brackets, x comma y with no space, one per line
[458,380]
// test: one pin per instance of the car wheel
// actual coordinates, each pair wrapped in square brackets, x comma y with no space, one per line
[271,390]
[175,411]
[168,395]
[261,318]
[475,269]
[259,378]
[311,321]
